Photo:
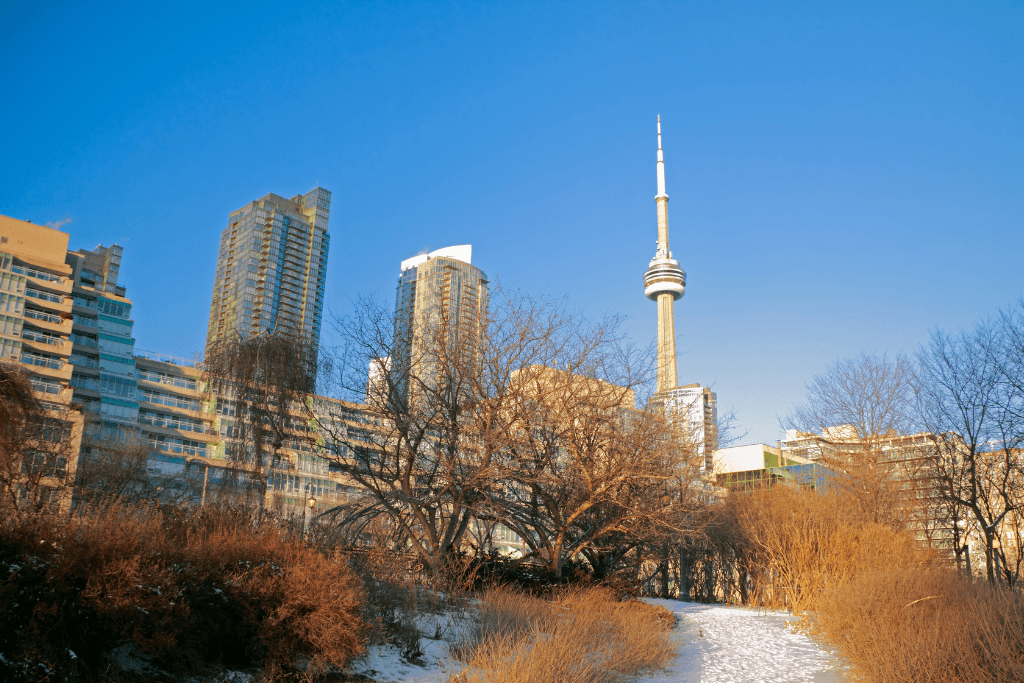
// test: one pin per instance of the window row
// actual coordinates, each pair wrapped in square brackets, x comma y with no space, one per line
[173,445]
[170,380]
[171,400]
[42,360]
[185,424]
[41,315]
[44,296]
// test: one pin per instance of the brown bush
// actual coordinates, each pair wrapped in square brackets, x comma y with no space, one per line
[187,590]
[928,627]
[895,611]
[794,544]
[581,636]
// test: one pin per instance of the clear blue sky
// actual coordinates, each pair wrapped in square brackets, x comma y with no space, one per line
[844,177]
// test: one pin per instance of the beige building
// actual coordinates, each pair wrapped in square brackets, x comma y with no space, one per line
[908,462]
[272,268]
[35,332]
[440,310]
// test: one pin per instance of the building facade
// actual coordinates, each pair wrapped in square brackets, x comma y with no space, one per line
[104,376]
[272,269]
[36,295]
[905,464]
[440,310]
[695,409]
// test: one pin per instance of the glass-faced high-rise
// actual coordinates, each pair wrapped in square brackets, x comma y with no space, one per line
[272,268]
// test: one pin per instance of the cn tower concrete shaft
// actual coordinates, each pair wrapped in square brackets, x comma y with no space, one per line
[664,282]
[667,374]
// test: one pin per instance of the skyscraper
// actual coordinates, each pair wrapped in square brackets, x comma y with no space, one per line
[440,308]
[272,268]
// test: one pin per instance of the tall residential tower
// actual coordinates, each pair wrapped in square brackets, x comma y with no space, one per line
[440,310]
[272,268]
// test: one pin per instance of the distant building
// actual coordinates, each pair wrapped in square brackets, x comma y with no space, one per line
[272,268]
[440,310]
[759,466]
[908,461]
[695,409]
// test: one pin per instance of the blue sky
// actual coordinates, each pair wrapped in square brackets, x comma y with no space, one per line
[844,177]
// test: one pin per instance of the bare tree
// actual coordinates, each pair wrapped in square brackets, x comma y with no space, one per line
[529,420]
[38,446]
[422,455]
[585,466]
[263,382]
[971,399]
[855,411]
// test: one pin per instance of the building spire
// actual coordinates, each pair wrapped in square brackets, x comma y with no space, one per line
[664,282]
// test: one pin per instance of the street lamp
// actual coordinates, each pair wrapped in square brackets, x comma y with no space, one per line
[310,504]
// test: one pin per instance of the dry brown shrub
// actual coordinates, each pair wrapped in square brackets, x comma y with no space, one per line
[186,590]
[893,609]
[928,627]
[583,636]
[796,544]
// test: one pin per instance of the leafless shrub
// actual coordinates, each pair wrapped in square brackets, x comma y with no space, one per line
[585,636]
[928,627]
[189,590]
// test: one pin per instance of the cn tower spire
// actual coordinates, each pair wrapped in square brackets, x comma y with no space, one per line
[664,282]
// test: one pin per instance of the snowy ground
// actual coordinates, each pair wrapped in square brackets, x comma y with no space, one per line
[717,644]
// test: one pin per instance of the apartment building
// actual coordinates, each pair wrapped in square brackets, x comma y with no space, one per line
[102,357]
[908,461]
[272,269]
[36,298]
[695,409]
[440,303]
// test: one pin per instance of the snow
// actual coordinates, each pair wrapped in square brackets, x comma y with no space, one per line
[719,644]
[385,664]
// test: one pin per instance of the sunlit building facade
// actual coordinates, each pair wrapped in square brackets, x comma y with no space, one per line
[36,295]
[272,269]
[440,308]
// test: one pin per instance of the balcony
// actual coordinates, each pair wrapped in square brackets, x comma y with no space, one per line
[29,358]
[45,296]
[43,316]
[39,337]
[38,274]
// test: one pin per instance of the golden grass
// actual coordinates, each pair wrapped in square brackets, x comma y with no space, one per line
[583,636]
[928,627]
[895,610]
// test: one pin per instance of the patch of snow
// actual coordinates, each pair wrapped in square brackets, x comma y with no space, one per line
[385,664]
[719,644]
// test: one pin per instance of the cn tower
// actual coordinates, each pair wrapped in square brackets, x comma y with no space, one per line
[664,282]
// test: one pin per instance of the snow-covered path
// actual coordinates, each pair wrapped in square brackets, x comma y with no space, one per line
[717,644]
[720,644]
